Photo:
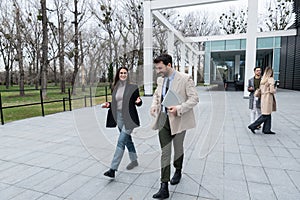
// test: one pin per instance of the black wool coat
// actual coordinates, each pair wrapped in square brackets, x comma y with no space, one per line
[129,111]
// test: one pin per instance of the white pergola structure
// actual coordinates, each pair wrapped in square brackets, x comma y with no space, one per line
[151,9]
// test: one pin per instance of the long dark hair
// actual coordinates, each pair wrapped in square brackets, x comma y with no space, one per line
[117,78]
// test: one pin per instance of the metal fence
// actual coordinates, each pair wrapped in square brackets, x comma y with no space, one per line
[64,100]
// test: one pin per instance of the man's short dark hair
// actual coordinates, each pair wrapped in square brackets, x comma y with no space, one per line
[164,58]
[256,68]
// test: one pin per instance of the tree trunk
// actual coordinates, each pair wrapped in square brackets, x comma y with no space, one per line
[44,60]
[19,51]
[61,50]
[7,77]
[37,61]
[76,49]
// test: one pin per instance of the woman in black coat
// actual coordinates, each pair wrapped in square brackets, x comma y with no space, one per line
[123,113]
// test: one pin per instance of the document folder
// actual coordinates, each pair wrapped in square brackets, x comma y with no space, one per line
[171,99]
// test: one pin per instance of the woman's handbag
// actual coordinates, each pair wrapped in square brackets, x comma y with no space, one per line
[110,120]
[257,93]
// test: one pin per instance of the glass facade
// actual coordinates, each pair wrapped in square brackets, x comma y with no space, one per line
[221,55]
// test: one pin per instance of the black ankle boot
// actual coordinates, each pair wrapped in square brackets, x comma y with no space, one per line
[132,165]
[176,178]
[163,192]
[110,173]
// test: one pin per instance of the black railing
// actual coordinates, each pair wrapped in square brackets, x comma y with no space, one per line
[42,102]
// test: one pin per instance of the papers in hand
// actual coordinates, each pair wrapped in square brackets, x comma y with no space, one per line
[171,99]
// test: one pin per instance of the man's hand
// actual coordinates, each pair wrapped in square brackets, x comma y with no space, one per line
[153,111]
[172,110]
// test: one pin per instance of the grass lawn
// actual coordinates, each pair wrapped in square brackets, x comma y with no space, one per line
[12,97]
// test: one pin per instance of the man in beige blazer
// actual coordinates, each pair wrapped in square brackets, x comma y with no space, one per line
[173,121]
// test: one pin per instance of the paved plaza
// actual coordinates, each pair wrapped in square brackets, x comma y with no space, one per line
[64,155]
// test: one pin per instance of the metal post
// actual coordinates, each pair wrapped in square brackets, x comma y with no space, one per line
[42,102]
[84,100]
[106,93]
[64,103]
[91,99]
[70,101]
[1,111]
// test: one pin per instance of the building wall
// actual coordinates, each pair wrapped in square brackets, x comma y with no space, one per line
[289,73]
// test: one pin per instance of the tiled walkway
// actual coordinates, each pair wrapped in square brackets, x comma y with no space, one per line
[63,156]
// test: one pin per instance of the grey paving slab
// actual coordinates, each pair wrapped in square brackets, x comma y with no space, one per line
[235,190]
[28,194]
[234,172]
[295,177]
[113,190]
[49,197]
[256,174]
[67,188]
[35,179]
[260,191]
[64,156]
[10,192]
[53,182]
[89,189]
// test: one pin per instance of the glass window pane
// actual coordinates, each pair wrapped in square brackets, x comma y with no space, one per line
[218,45]
[233,44]
[243,44]
[263,43]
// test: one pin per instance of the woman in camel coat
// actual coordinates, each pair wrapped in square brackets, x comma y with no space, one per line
[268,102]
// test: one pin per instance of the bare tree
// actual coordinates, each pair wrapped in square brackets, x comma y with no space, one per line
[32,39]
[44,61]
[6,46]
[107,22]
[235,21]
[61,52]
[78,22]
[19,25]
[279,15]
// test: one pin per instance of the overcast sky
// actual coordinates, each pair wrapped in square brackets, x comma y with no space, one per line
[215,10]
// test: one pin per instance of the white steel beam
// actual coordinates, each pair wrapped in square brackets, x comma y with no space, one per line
[290,32]
[171,40]
[168,25]
[182,57]
[195,58]
[167,4]
[190,62]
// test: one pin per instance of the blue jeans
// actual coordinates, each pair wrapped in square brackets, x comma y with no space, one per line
[123,140]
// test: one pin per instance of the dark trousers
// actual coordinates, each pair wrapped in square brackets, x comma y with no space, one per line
[166,139]
[266,119]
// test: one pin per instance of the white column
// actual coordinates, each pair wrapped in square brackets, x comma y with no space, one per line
[215,71]
[237,64]
[195,68]
[171,43]
[207,63]
[148,57]
[190,62]
[251,42]
[182,60]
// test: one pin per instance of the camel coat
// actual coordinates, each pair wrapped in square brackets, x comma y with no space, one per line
[268,101]
[184,86]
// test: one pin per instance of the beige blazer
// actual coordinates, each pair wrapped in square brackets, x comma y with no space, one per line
[183,85]
[268,101]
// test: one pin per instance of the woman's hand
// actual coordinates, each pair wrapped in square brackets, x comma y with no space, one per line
[138,100]
[105,105]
